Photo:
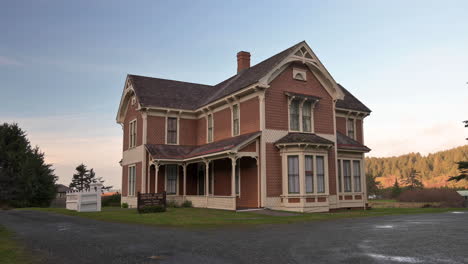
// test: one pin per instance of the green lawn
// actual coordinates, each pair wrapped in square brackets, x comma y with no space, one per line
[199,217]
[10,251]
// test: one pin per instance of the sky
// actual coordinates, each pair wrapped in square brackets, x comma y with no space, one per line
[63,65]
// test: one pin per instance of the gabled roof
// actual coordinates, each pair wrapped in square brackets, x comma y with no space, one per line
[156,92]
[180,152]
[347,143]
[304,138]
[351,102]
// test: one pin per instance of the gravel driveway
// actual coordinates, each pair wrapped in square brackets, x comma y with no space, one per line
[423,238]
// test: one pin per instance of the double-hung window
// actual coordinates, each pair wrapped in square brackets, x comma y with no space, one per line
[309,173]
[350,127]
[171,130]
[132,133]
[131,180]
[235,120]
[320,174]
[210,128]
[293,174]
[294,115]
[340,176]
[347,175]
[307,117]
[171,179]
[357,175]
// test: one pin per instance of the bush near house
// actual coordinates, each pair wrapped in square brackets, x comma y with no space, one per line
[125,205]
[187,204]
[113,200]
[446,197]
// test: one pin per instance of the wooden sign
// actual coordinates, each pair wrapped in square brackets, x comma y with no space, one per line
[151,199]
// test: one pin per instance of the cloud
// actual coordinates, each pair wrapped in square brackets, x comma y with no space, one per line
[5,61]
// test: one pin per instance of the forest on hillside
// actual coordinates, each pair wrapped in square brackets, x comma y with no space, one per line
[434,169]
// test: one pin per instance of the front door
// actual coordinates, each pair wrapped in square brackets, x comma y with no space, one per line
[201,179]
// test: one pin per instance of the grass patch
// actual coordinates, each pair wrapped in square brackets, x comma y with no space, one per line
[200,217]
[10,250]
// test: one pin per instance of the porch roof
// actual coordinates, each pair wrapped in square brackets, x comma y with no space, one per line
[347,143]
[291,138]
[181,152]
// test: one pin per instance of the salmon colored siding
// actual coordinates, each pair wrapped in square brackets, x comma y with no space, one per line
[248,183]
[252,147]
[222,124]
[125,178]
[201,131]
[249,116]
[222,177]
[341,125]
[359,134]
[276,102]
[130,115]
[188,132]
[156,130]
[273,171]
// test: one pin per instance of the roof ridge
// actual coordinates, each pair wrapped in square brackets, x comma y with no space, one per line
[163,79]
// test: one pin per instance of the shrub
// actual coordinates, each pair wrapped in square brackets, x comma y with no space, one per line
[152,209]
[125,205]
[447,197]
[172,204]
[187,204]
[113,200]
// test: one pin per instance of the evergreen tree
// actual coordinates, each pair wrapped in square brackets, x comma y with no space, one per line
[25,179]
[373,186]
[412,179]
[82,178]
[463,170]
[396,190]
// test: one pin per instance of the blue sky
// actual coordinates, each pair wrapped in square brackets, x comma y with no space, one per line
[63,64]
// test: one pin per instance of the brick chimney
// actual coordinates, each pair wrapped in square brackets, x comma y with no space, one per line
[243,61]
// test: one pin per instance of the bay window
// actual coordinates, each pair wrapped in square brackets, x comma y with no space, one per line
[309,173]
[340,176]
[320,174]
[347,175]
[357,175]
[293,174]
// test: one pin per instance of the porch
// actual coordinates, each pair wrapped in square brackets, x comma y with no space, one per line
[227,179]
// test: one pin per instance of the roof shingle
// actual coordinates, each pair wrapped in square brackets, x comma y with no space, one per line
[303,138]
[345,142]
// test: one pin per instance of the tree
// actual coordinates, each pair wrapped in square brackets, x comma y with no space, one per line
[373,186]
[83,178]
[396,190]
[463,170]
[25,179]
[412,179]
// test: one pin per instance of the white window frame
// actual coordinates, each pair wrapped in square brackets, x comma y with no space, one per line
[351,160]
[167,129]
[131,188]
[301,105]
[177,179]
[298,174]
[208,128]
[132,140]
[238,119]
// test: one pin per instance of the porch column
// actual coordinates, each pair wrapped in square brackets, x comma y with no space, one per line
[184,169]
[207,178]
[156,170]
[233,176]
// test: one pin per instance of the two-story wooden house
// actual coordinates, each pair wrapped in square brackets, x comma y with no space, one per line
[281,134]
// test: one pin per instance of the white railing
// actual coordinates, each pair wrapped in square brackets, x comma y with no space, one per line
[88,200]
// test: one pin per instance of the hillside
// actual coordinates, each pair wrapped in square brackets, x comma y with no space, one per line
[434,168]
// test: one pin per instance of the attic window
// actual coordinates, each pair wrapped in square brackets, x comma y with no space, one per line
[299,74]
[133,100]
